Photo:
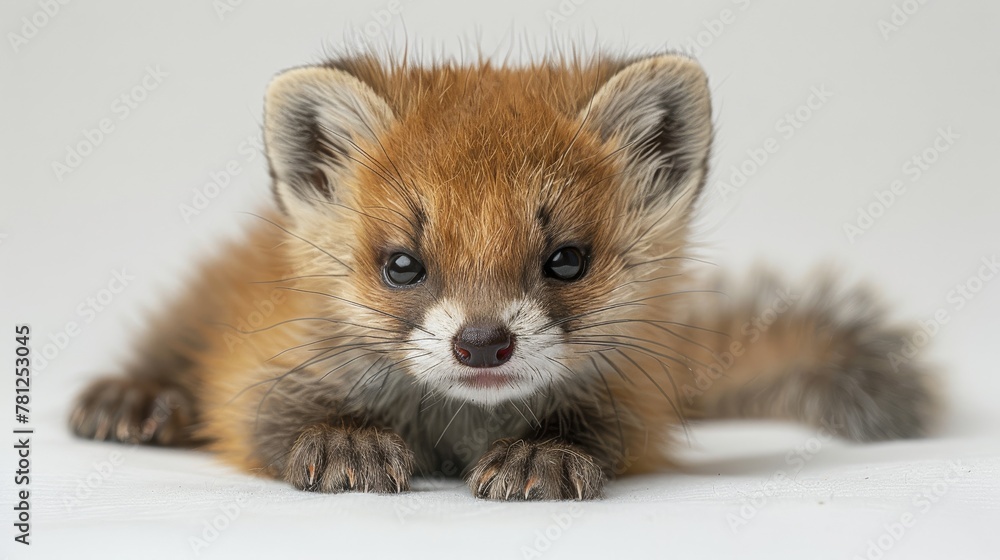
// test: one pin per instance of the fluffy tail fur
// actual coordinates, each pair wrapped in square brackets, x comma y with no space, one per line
[822,356]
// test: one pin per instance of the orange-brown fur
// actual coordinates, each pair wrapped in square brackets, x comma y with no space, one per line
[479,166]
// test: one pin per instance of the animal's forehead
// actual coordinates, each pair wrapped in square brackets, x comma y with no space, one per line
[487,203]
[481,136]
[494,219]
[487,185]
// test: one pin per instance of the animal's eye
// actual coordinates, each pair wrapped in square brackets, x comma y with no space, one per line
[568,264]
[403,270]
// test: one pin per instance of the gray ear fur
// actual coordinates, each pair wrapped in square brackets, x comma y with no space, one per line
[659,111]
[313,119]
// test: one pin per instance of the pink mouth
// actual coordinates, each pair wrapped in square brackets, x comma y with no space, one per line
[487,379]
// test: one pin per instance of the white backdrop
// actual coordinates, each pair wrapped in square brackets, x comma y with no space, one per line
[862,133]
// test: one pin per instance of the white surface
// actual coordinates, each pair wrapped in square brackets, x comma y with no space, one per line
[62,240]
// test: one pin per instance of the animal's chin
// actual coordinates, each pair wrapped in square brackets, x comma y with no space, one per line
[488,385]
[488,379]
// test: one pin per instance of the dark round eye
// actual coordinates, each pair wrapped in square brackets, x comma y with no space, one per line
[568,264]
[403,270]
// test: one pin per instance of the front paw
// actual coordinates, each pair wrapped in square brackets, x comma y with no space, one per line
[133,410]
[531,470]
[334,459]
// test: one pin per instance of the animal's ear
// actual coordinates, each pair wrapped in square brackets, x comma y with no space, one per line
[658,112]
[314,119]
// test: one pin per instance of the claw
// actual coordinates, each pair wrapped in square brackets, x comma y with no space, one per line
[77,418]
[312,473]
[395,478]
[123,432]
[103,426]
[350,476]
[531,484]
[148,429]
[485,479]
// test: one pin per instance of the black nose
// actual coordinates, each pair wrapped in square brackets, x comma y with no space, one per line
[484,345]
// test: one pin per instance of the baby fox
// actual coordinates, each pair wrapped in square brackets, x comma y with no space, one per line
[484,271]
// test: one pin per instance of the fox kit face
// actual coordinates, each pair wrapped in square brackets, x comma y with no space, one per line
[488,223]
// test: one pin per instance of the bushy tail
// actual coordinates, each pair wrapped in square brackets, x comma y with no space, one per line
[822,356]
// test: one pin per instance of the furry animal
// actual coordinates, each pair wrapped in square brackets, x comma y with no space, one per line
[485,271]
